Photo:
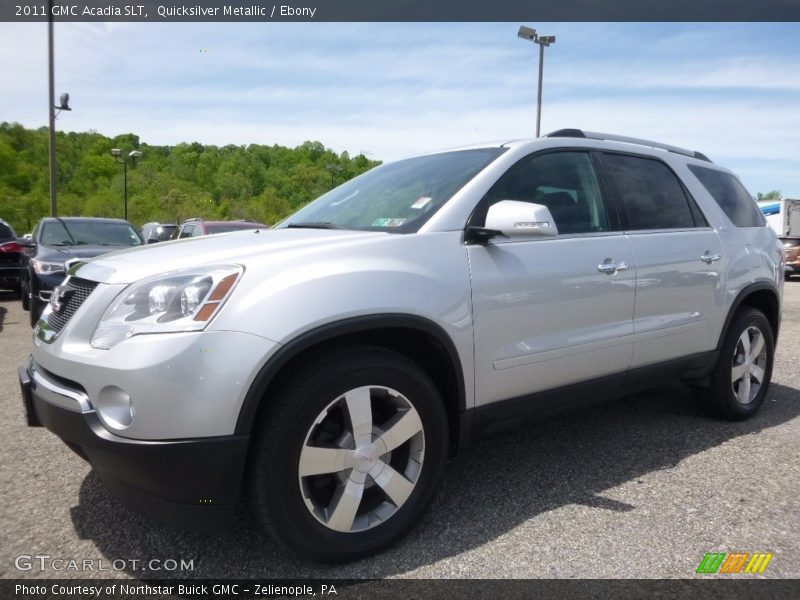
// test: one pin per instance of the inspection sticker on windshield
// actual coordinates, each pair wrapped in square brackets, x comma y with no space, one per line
[388,222]
[421,202]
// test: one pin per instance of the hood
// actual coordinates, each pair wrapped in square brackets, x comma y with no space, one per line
[65,253]
[261,246]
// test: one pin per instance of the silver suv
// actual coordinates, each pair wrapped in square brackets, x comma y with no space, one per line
[324,370]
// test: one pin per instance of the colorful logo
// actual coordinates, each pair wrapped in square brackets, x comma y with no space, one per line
[734,562]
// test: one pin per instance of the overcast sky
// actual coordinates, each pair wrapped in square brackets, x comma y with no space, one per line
[391,90]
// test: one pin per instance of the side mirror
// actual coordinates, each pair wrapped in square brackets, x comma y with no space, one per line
[520,219]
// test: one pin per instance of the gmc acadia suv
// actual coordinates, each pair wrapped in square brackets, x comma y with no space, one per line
[324,370]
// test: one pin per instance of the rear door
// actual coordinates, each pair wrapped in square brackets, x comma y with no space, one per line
[678,257]
[548,312]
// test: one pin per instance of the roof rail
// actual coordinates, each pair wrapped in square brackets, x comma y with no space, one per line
[610,137]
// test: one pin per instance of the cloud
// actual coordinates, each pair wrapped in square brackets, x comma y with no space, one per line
[401,89]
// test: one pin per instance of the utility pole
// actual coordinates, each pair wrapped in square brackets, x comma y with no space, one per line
[63,104]
[51,102]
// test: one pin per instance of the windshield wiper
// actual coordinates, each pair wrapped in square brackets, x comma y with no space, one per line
[64,225]
[313,225]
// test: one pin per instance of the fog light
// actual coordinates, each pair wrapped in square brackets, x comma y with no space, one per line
[114,407]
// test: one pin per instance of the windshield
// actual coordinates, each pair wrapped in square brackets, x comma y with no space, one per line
[398,197]
[89,233]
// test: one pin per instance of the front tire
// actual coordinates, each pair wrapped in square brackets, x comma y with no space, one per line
[36,310]
[25,294]
[743,371]
[348,453]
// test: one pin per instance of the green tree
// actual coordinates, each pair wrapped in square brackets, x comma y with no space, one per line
[773,195]
[170,183]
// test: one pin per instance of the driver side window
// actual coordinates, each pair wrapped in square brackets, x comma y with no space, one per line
[564,182]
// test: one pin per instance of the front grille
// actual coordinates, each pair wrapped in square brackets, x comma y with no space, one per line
[80,288]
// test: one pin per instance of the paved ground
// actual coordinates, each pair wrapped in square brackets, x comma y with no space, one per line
[639,488]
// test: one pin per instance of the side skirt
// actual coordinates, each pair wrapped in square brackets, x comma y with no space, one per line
[503,414]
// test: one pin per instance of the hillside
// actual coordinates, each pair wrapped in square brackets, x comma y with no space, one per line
[169,183]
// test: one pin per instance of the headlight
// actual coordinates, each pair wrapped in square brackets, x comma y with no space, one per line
[183,300]
[45,268]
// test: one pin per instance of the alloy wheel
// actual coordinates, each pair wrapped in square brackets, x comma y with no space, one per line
[749,365]
[361,458]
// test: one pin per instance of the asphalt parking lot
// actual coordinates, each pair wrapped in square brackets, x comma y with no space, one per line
[639,488]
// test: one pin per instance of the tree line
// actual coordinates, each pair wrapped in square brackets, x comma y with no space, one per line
[168,184]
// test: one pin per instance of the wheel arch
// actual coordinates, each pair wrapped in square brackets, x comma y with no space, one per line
[763,296]
[406,334]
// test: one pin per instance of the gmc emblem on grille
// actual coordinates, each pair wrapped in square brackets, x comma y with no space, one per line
[60,295]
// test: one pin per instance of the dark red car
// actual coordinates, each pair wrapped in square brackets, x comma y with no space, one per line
[198,227]
[10,252]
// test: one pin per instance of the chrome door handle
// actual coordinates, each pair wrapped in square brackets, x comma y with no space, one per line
[610,267]
[710,258]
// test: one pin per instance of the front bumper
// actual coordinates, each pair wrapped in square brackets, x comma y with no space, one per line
[188,483]
[42,286]
[9,276]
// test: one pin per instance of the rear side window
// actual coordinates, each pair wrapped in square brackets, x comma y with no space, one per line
[731,195]
[651,193]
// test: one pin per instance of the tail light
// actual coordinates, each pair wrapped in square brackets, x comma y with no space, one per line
[11,247]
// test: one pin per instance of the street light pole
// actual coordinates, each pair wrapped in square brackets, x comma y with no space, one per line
[334,168]
[539,94]
[132,156]
[51,107]
[125,170]
[51,101]
[526,33]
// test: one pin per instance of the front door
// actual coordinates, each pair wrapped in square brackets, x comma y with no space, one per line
[549,312]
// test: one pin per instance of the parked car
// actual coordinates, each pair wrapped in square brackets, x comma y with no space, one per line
[153,233]
[792,248]
[10,252]
[325,370]
[198,227]
[56,243]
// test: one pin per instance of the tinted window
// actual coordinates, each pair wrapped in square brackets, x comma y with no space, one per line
[652,194]
[565,182]
[731,196]
[164,232]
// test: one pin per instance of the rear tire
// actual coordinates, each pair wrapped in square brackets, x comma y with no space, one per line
[26,303]
[741,377]
[348,453]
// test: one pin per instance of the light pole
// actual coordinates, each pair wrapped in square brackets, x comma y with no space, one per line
[526,33]
[132,156]
[52,108]
[334,168]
